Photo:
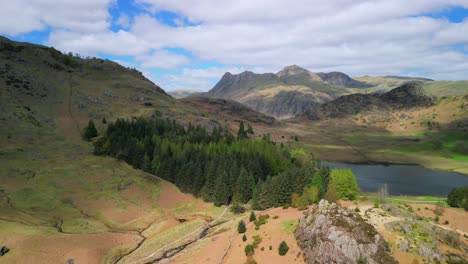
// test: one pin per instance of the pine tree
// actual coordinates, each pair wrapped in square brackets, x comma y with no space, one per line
[241,227]
[244,188]
[241,133]
[250,129]
[221,195]
[252,217]
[90,131]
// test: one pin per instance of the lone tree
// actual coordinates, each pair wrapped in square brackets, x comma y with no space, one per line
[283,248]
[252,217]
[241,133]
[241,227]
[250,129]
[90,131]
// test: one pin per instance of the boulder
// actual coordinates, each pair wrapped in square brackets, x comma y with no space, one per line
[3,250]
[328,233]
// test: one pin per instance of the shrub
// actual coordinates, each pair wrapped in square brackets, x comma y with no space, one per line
[256,240]
[436,219]
[104,121]
[262,248]
[262,219]
[252,217]
[458,197]
[271,247]
[446,222]
[237,208]
[376,202]
[241,227]
[357,210]
[244,238]
[346,184]
[283,248]
[331,195]
[362,260]
[90,131]
[249,250]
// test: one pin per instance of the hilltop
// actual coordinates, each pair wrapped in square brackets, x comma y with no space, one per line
[288,93]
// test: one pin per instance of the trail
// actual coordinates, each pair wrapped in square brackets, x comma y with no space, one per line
[202,228]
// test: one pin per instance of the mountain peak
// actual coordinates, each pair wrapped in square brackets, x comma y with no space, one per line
[292,70]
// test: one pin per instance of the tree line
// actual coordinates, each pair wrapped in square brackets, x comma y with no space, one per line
[215,165]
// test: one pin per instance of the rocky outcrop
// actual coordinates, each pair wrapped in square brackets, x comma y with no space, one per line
[406,96]
[328,233]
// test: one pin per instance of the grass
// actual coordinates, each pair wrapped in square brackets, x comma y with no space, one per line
[289,226]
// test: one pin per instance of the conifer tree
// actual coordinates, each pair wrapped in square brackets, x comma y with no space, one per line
[241,227]
[90,131]
[252,217]
[249,129]
[241,133]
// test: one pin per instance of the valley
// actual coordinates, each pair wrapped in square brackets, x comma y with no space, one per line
[141,192]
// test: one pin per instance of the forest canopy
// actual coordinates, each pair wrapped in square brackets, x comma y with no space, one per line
[215,166]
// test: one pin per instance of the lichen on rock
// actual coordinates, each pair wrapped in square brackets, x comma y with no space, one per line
[328,233]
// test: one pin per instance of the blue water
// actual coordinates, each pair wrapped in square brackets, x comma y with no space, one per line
[404,179]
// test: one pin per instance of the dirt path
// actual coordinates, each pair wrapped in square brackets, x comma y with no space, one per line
[204,228]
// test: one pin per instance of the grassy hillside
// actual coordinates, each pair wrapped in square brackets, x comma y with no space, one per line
[57,200]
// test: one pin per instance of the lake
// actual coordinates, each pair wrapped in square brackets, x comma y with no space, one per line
[411,180]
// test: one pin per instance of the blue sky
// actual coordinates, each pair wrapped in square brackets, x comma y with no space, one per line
[183,44]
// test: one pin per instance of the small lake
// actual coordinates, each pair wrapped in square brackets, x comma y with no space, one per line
[411,180]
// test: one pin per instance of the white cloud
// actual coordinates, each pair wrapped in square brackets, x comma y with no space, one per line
[123,21]
[22,16]
[375,37]
[163,59]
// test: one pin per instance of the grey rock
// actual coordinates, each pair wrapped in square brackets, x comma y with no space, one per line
[329,233]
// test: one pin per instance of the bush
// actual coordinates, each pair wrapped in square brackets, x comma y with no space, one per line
[237,208]
[283,248]
[241,227]
[357,210]
[346,184]
[244,238]
[439,209]
[90,131]
[252,217]
[376,202]
[256,240]
[262,219]
[331,195]
[458,197]
[446,222]
[271,247]
[249,250]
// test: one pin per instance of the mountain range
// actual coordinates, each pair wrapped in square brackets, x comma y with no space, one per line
[293,90]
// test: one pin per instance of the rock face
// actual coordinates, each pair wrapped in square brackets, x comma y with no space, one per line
[328,233]
[408,95]
[288,93]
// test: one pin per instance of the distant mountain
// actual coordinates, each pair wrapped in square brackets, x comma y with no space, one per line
[406,96]
[182,93]
[288,93]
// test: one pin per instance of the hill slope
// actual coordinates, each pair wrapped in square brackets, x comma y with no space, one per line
[288,93]
[408,95]
[57,200]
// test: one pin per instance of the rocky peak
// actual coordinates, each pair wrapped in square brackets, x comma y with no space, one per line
[409,94]
[292,70]
[328,233]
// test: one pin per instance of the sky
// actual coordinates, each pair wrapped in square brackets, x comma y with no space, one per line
[190,44]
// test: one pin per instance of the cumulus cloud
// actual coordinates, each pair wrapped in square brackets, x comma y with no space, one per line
[374,37]
[163,59]
[23,16]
